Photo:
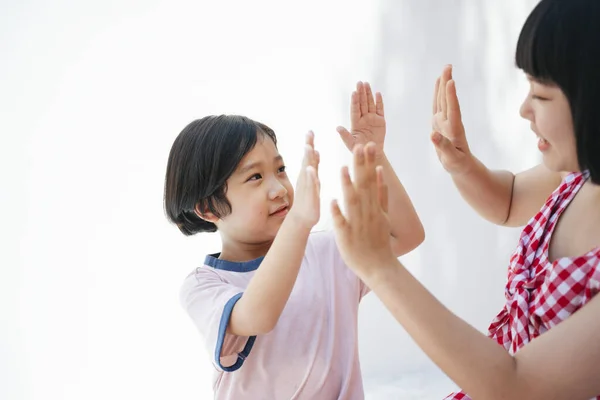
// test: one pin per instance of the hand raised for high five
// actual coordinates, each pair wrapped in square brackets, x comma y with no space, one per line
[448,134]
[306,207]
[367,120]
[363,235]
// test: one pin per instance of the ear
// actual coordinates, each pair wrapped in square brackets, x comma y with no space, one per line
[205,214]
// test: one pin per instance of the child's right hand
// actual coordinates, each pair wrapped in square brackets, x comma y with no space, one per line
[448,134]
[306,207]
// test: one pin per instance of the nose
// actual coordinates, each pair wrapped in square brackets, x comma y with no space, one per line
[525,110]
[277,189]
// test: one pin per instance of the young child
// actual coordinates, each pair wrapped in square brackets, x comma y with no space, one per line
[276,307]
[545,342]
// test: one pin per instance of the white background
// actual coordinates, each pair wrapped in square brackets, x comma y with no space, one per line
[92,95]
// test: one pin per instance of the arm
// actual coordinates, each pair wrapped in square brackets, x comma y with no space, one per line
[503,198]
[498,196]
[477,363]
[560,364]
[407,232]
[368,124]
[259,308]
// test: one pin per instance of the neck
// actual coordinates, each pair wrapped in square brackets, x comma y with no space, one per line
[240,251]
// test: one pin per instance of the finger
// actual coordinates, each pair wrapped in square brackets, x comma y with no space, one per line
[369,174]
[439,93]
[379,104]
[382,189]
[317,161]
[313,179]
[359,161]
[454,114]
[350,196]
[362,98]
[446,75]
[346,136]
[308,156]
[310,139]
[339,221]
[436,94]
[354,108]
[370,99]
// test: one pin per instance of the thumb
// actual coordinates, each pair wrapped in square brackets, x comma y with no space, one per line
[339,221]
[346,136]
[443,144]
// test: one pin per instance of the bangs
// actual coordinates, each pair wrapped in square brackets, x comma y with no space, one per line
[539,53]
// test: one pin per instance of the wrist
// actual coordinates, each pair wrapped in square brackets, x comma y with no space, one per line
[383,274]
[298,222]
[380,156]
[380,270]
[470,167]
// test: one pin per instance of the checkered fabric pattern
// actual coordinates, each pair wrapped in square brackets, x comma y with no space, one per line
[540,294]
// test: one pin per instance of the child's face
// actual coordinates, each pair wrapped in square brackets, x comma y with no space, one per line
[550,114]
[260,195]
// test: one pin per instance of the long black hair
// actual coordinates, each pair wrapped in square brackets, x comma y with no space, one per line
[560,45]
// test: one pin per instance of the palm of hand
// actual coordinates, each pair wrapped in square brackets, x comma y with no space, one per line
[367,120]
[369,128]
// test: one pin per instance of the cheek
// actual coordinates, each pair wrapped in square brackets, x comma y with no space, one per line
[557,128]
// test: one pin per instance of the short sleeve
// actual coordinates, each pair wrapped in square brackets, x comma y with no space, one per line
[209,301]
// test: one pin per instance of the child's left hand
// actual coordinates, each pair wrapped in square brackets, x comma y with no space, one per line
[363,236]
[367,121]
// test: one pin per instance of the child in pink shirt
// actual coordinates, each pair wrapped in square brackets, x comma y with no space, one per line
[276,307]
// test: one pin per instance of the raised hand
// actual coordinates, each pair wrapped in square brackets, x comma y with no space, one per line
[448,134]
[363,235]
[306,207]
[367,121]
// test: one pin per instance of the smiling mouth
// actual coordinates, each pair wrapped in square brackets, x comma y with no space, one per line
[281,210]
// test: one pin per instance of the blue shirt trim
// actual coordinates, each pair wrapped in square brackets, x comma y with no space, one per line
[213,260]
[221,338]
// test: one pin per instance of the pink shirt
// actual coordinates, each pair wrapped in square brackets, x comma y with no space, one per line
[313,351]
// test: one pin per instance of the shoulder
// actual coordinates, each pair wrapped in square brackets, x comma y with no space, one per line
[200,278]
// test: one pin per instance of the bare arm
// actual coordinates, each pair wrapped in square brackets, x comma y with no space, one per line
[263,301]
[482,367]
[407,232]
[503,198]
[560,364]
[368,124]
[259,308]
[498,196]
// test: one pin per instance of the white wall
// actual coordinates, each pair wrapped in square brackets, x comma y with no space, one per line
[92,96]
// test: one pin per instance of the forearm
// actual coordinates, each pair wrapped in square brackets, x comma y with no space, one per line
[259,308]
[406,228]
[488,192]
[475,362]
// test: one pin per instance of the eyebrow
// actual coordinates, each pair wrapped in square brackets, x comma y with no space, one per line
[253,165]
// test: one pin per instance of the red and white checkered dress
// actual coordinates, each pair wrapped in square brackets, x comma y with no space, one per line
[541,294]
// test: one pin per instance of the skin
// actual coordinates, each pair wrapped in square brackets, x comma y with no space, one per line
[259,186]
[561,363]
[475,362]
